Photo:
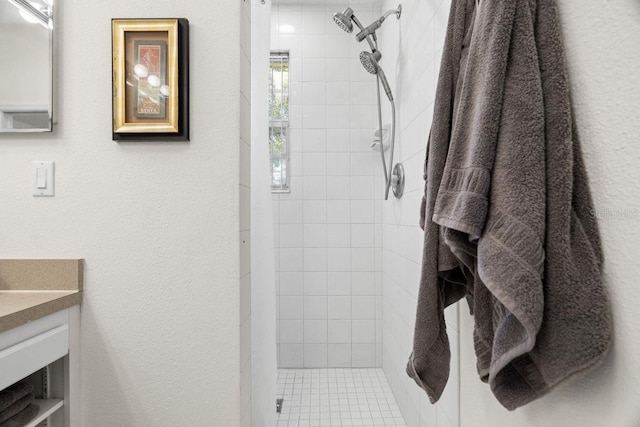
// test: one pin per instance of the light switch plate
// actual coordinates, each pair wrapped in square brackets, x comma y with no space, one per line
[42,178]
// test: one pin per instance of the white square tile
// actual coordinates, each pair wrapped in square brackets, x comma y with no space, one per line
[313,69]
[314,116]
[340,357]
[337,93]
[338,211]
[296,99]
[291,259]
[339,307]
[315,355]
[363,332]
[337,44]
[362,117]
[291,283]
[362,235]
[338,140]
[339,259]
[339,283]
[362,212]
[295,166]
[362,93]
[291,355]
[363,283]
[290,211]
[314,22]
[363,355]
[290,307]
[296,138]
[291,332]
[363,163]
[290,235]
[362,187]
[289,17]
[338,187]
[315,188]
[337,69]
[338,164]
[314,164]
[362,259]
[292,43]
[315,307]
[338,116]
[315,235]
[314,211]
[339,331]
[363,307]
[314,93]
[315,259]
[338,236]
[315,283]
[295,68]
[312,140]
[315,331]
[313,46]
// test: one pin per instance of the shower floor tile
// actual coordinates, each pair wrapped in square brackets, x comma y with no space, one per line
[336,397]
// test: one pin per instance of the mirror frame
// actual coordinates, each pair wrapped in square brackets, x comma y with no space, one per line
[7,115]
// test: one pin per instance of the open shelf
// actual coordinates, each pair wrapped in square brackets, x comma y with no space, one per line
[47,407]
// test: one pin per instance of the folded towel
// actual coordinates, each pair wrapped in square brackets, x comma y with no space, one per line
[22,419]
[13,393]
[17,407]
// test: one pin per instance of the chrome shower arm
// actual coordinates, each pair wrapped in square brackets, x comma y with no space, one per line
[397,11]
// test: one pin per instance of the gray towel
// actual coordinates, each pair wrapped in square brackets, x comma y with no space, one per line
[22,419]
[13,393]
[507,211]
[16,407]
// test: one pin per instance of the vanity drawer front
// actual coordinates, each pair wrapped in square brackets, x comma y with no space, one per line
[30,347]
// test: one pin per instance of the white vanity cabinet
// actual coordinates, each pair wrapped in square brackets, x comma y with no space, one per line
[50,345]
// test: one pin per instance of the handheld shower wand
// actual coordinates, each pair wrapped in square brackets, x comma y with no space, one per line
[371,62]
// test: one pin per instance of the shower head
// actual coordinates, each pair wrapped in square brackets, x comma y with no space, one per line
[370,60]
[370,63]
[371,29]
[343,19]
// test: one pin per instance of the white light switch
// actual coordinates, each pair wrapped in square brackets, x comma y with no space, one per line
[42,178]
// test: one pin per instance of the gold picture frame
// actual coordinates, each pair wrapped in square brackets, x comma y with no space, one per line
[150,79]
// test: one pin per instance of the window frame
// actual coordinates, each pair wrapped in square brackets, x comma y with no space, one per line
[281,124]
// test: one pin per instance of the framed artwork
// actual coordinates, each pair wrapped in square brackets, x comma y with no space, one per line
[150,79]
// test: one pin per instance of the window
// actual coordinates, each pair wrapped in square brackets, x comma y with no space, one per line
[279,121]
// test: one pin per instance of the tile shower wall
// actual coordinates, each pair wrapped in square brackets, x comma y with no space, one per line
[328,229]
[411,52]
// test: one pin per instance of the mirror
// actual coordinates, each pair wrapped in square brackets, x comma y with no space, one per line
[26,68]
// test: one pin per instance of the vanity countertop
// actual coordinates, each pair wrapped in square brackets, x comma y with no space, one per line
[20,307]
[32,289]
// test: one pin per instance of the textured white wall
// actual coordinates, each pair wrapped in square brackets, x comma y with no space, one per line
[156,222]
[601,40]
[411,50]
[245,214]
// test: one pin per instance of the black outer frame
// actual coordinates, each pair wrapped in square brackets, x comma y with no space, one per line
[183,97]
